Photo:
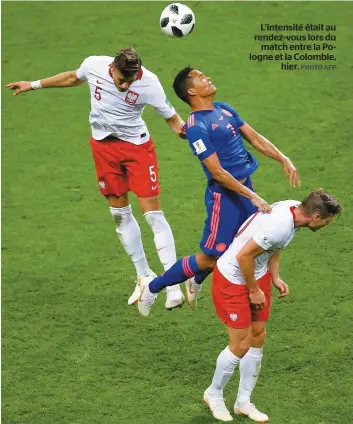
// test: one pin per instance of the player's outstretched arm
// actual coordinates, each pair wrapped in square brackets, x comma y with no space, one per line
[246,260]
[264,146]
[225,179]
[65,79]
[273,265]
[176,124]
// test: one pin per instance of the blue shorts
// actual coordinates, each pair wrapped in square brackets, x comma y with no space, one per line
[226,212]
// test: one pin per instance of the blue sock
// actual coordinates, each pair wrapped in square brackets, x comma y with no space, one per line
[202,276]
[182,270]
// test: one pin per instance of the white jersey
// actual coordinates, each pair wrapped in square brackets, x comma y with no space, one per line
[270,231]
[119,113]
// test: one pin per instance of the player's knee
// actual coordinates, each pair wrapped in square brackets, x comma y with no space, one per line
[156,220]
[121,216]
[206,261]
[240,348]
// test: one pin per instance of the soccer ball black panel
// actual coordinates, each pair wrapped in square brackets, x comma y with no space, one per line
[177,20]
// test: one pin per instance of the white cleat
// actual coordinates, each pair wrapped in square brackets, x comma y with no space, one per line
[135,295]
[137,292]
[192,291]
[217,406]
[175,297]
[251,411]
[146,298]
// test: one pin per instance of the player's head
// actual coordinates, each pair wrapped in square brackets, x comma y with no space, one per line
[191,84]
[320,208]
[127,64]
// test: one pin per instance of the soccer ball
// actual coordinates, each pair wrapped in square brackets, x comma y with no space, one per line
[177,20]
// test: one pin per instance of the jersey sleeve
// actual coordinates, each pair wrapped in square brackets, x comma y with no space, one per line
[271,235]
[199,141]
[226,106]
[83,71]
[159,101]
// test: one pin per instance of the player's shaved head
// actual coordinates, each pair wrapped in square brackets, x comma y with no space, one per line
[182,83]
[322,203]
[128,62]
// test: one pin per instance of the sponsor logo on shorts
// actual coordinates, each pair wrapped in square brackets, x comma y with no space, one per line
[154,187]
[131,97]
[101,184]
[221,247]
[233,317]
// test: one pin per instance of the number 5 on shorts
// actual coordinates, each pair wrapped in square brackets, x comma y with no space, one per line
[153,175]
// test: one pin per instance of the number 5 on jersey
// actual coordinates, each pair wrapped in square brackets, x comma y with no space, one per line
[97,93]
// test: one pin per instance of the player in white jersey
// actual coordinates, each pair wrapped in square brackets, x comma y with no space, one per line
[241,292]
[123,150]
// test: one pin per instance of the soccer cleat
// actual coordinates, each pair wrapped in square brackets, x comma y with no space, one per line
[137,292]
[175,297]
[146,298]
[217,406]
[251,411]
[192,291]
[135,295]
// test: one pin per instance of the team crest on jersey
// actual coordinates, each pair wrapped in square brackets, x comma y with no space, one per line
[226,112]
[131,97]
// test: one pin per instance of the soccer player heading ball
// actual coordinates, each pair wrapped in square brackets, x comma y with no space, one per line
[214,131]
[123,150]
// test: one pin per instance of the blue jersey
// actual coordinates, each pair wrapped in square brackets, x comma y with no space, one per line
[217,131]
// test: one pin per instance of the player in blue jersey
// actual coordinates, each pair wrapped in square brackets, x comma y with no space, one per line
[214,131]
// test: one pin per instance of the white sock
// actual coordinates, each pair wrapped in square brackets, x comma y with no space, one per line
[250,366]
[225,366]
[163,238]
[129,234]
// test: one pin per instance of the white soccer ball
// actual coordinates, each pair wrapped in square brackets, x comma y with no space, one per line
[177,20]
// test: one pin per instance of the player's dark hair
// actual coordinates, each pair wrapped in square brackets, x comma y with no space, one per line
[181,84]
[318,201]
[128,62]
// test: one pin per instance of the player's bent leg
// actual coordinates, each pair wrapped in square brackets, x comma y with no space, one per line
[165,246]
[227,361]
[182,270]
[129,234]
[250,366]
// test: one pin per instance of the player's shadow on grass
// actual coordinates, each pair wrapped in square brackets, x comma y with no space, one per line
[206,418]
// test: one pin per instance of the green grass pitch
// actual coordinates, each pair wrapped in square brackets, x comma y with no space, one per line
[73,351]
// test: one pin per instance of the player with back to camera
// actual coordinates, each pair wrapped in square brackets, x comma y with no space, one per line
[214,131]
[123,150]
[241,292]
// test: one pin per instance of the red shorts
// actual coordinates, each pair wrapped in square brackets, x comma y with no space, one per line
[231,301]
[123,167]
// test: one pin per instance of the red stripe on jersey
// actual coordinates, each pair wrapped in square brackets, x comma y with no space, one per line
[191,120]
[139,74]
[245,226]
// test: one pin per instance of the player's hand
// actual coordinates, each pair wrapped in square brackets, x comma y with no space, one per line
[281,286]
[182,133]
[257,300]
[19,87]
[261,204]
[292,174]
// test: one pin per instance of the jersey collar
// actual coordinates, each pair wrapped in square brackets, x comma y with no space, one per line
[292,208]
